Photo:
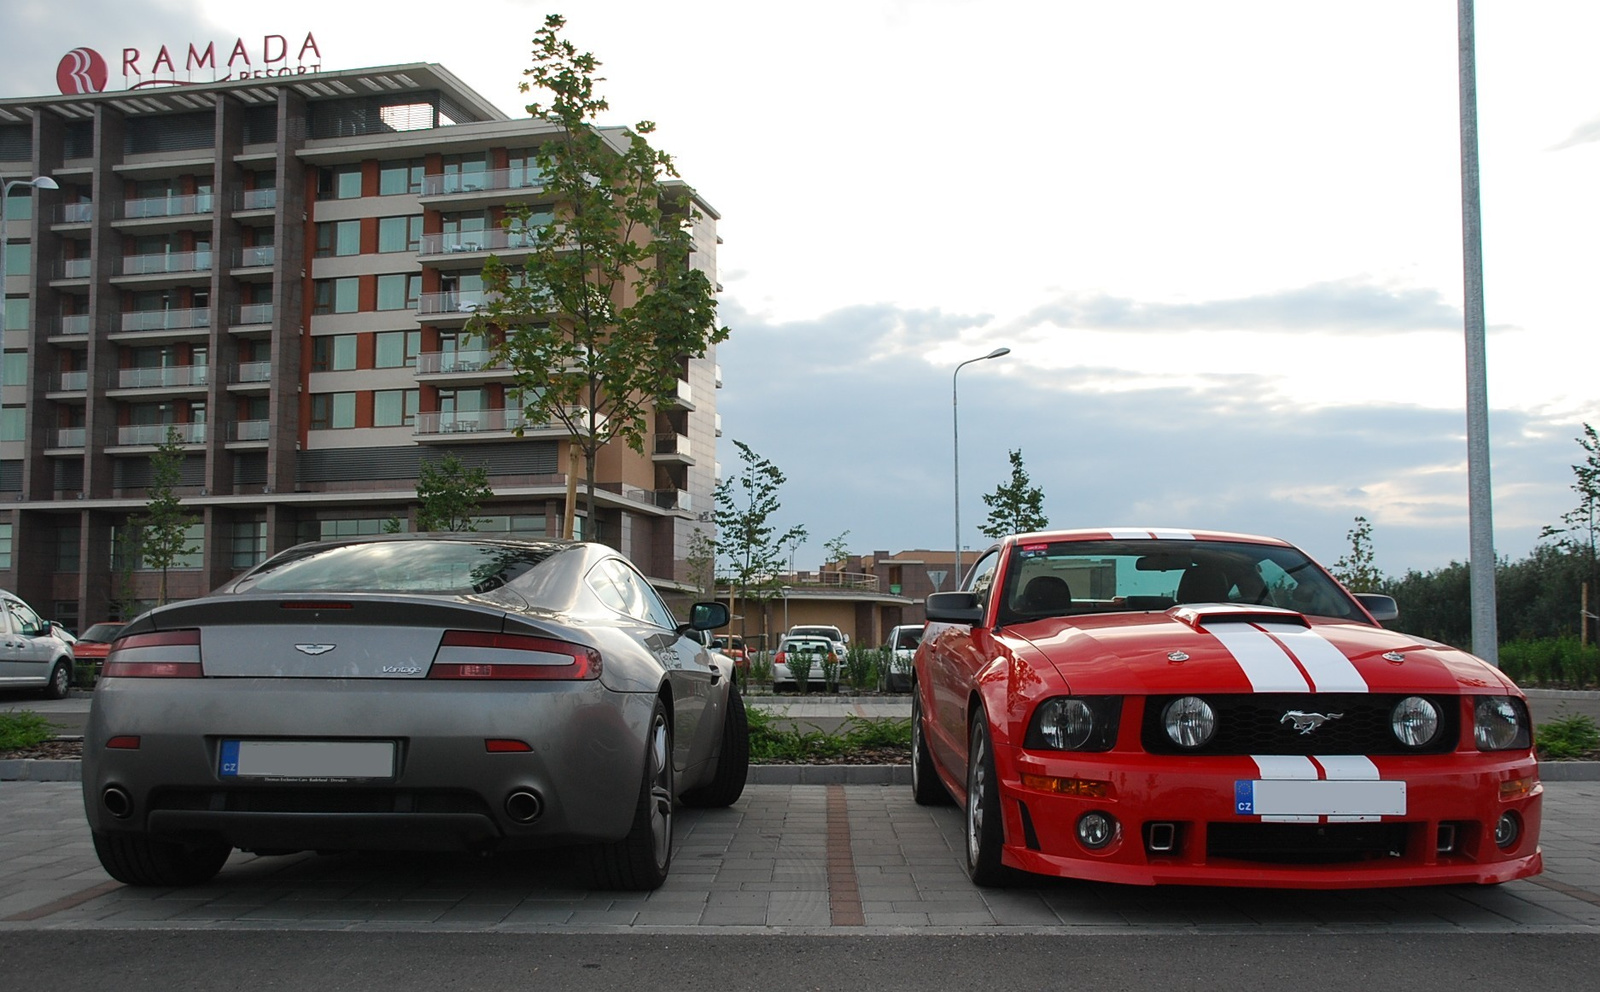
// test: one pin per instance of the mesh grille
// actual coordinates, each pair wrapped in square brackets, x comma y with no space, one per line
[1306,843]
[1260,724]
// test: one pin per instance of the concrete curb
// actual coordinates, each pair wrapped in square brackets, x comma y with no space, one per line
[41,770]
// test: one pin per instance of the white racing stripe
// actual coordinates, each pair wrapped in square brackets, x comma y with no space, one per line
[1328,667]
[1347,767]
[1342,771]
[1263,660]
[1283,767]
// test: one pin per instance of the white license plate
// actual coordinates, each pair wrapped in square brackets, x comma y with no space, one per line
[1312,797]
[307,759]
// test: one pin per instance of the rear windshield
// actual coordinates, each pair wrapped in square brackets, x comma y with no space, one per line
[101,633]
[440,568]
[1066,578]
[904,639]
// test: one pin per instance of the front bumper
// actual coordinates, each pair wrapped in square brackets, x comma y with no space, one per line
[448,791]
[1177,821]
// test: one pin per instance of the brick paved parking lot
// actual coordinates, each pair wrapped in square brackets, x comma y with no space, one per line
[793,858]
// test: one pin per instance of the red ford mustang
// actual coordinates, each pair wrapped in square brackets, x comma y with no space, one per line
[1158,706]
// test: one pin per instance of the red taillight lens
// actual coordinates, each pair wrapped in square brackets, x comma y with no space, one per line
[166,654]
[781,659]
[474,654]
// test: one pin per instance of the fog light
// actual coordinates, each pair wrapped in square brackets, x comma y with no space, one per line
[1506,831]
[1096,830]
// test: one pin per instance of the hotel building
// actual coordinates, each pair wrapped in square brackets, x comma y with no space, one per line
[282,271]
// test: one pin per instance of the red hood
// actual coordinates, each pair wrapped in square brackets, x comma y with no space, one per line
[1224,649]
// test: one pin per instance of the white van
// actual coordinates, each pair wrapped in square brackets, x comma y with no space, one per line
[32,655]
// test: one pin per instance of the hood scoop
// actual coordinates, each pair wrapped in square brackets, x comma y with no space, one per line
[1210,614]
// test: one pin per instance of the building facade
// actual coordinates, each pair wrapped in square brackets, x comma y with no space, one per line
[282,272]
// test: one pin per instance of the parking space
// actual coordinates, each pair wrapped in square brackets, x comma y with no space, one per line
[800,858]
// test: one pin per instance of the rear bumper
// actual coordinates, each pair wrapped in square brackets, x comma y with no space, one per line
[584,765]
[1177,821]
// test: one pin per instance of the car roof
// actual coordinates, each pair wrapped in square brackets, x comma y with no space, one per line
[1142,533]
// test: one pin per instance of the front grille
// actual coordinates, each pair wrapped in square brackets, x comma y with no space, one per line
[1257,724]
[301,800]
[1305,843]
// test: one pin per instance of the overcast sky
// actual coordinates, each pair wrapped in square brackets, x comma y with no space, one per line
[1222,239]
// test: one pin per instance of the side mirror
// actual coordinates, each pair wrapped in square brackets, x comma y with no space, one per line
[46,628]
[1382,608]
[708,616]
[954,607]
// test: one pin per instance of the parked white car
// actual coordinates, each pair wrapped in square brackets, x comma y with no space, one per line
[898,651]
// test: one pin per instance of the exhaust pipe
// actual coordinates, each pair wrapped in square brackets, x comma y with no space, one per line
[117,802]
[524,806]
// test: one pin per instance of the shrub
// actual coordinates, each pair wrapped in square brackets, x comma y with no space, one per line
[760,670]
[23,728]
[1551,661]
[1574,736]
[800,663]
[861,668]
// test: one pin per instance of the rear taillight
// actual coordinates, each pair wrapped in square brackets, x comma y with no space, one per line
[166,654]
[781,659]
[472,654]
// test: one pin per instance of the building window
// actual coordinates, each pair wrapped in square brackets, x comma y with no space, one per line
[341,237]
[520,524]
[17,311]
[14,369]
[333,411]
[67,553]
[399,292]
[337,295]
[328,530]
[399,234]
[397,349]
[394,408]
[13,423]
[399,177]
[249,544]
[333,353]
[341,183]
[5,545]
[125,543]
[19,256]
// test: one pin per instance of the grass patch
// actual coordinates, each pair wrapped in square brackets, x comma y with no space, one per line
[1567,737]
[861,739]
[23,728]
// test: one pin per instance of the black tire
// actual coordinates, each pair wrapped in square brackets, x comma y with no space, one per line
[733,760]
[137,859]
[60,681]
[640,861]
[926,788]
[984,831]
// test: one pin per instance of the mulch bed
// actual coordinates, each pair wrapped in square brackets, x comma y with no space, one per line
[53,749]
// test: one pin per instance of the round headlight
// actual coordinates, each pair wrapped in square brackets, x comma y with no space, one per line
[1415,721]
[1066,724]
[1497,725]
[1190,721]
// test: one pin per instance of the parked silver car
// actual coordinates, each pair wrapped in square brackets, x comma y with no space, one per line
[33,652]
[412,692]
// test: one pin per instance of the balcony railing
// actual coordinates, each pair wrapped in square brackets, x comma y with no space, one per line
[166,320]
[250,430]
[178,261]
[445,362]
[77,213]
[489,239]
[479,421]
[75,323]
[159,378]
[254,256]
[257,199]
[71,437]
[77,268]
[157,433]
[253,313]
[253,372]
[473,182]
[168,206]
[73,382]
[671,444]
[436,303]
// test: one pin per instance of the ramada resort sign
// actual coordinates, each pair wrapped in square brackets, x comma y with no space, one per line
[84,70]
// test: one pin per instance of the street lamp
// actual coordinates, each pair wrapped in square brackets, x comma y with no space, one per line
[40,182]
[955,433]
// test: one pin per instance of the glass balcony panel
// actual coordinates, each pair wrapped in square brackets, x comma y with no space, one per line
[73,381]
[163,378]
[258,255]
[166,320]
[253,313]
[77,268]
[472,182]
[258,199]
[77,213]
[179,261]
[254,372]
[168,206]
[75,323]
[71,437]
[251,430]
[157,433]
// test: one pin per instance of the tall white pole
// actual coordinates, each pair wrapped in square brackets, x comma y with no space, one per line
[1480,513]
[955,434]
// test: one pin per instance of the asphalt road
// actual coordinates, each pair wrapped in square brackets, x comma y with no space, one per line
[172,961]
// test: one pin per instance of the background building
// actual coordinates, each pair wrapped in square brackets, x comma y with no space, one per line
[281,270]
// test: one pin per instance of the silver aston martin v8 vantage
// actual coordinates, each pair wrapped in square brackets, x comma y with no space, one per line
[412,692]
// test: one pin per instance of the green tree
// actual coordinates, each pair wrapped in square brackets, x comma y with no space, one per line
[838,550]
[598,322]
[163,528]
[750,541]
[701,562]
[1579,533]
[1015,507]
[450,494]
[1356,569]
